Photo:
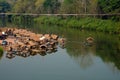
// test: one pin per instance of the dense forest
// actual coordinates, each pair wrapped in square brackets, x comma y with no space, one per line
[60,6]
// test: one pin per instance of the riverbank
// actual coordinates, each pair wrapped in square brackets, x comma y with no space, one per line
[88,23]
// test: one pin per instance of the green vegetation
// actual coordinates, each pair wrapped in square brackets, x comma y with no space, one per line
[82,23]
[111,6]
[4,6]
[110,24]
[1,52]
[22,21]
[62,6]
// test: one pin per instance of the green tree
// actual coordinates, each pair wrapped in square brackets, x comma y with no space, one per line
[79,6]
[51,6]
[4,6]
[67,6]
[39,6]
[109,6]
[22,6]
[93,7]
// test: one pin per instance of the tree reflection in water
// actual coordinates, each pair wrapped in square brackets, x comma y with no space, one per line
[83,55]
[86,58]
[106,47]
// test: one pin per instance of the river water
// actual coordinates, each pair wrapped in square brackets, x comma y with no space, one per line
[74,61]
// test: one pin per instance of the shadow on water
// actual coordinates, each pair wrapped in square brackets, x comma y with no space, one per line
[105,46]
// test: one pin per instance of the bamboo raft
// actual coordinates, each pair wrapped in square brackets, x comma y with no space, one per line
[24,43]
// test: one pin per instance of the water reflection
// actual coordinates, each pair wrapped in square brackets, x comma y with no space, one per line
[26,54]
[106,47]
[82,54]
[2,20]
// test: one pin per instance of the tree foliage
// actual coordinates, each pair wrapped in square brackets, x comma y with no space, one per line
[4,6]
[39,6]
[51,6]
[109,6]
[61,6]
[23,6]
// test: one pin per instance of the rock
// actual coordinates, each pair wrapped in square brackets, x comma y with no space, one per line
[24,43]
[55,37]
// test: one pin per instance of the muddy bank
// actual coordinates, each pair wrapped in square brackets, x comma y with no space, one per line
[25,43]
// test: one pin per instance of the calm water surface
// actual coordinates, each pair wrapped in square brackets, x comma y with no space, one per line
[74,62]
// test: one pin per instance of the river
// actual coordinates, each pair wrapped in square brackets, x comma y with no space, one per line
[74,61]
